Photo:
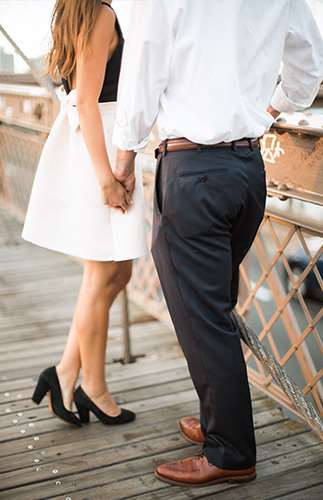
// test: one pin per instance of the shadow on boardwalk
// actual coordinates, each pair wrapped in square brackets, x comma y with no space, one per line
[41,457]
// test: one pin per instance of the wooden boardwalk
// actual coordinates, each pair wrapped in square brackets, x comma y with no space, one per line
[42,458]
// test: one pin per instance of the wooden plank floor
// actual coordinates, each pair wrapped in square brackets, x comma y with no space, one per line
[42,458]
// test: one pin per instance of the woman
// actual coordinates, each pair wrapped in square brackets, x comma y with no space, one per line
[79,207]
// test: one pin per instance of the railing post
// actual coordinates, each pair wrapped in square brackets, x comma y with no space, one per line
[4,185]
[127,356]
[2,174]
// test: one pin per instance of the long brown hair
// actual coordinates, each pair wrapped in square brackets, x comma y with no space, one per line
[71,26]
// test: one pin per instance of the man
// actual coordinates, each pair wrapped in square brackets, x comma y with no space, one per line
[207,71]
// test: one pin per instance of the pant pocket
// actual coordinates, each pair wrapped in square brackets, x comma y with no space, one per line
[157,187]
[197,203]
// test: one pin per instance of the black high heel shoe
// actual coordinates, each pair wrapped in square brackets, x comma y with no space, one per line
[48,381]
[84,405]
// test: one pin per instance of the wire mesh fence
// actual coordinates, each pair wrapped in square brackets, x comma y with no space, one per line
[20,149]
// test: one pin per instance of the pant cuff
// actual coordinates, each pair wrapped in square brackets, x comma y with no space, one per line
[218,457]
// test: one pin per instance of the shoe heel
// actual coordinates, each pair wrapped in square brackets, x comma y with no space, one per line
[40,391]
[83,412]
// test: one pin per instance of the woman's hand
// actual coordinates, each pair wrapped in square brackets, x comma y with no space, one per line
[115,195]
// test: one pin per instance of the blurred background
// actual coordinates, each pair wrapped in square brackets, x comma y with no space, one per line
[27,21]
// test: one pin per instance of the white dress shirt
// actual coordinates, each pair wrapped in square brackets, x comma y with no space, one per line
[208,69]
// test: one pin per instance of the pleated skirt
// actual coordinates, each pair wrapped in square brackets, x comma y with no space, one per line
[65,211]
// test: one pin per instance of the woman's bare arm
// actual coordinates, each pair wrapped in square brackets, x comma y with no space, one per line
[90,72]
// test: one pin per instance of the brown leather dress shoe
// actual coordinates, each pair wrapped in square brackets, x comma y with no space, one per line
[190,428]
[196,471]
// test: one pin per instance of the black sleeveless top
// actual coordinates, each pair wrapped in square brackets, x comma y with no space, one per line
[112,71]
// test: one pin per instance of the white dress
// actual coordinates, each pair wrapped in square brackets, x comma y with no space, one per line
[65,211]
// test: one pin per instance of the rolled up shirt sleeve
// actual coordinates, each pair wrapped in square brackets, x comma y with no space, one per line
[302,70]
[144,73]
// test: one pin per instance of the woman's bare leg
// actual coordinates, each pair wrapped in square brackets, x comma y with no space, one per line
[86,345]
[69,366]
[101,284]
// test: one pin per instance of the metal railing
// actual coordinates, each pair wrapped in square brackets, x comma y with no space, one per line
[275,293]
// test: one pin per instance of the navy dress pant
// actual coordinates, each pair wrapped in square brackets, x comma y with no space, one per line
[208,206]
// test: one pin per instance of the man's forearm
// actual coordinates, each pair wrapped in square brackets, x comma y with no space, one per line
[125,164]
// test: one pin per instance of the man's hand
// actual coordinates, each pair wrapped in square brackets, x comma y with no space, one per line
[125,170]
[273,112]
